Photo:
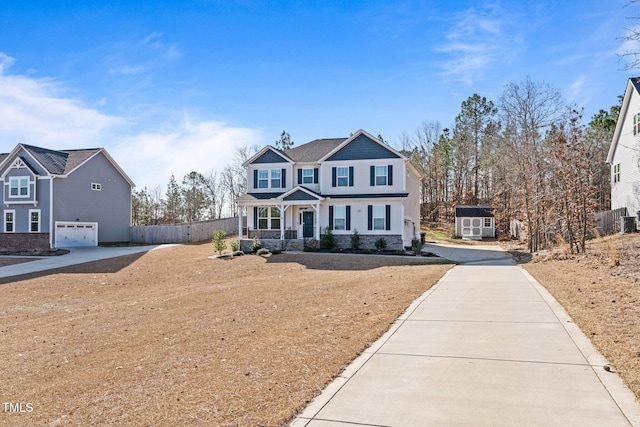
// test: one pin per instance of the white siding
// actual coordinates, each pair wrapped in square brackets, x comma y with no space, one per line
[361,177]
[626,192]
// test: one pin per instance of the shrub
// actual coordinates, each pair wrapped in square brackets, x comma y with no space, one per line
[262,251]
[416,246]
[256,244]
[218,241]
[238,253]
[276,252]
[336,250]
[328,240]
[381,244]
[235,246]
[366,251]
[399,252]
[355,240]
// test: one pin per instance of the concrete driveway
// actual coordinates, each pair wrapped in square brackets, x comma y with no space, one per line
[75,256]
[486,346]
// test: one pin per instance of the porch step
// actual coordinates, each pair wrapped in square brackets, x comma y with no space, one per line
[295,245]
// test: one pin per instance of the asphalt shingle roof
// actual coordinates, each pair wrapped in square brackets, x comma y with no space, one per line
[57,162]
[474,211]
[314,150]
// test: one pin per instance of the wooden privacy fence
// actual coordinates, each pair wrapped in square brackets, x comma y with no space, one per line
[183,233]
[608,222]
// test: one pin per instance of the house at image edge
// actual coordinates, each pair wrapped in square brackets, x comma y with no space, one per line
[62,198]
[356,183]
[624,152]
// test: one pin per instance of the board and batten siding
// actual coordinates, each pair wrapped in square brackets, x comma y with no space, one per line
[75,201]
[626,192]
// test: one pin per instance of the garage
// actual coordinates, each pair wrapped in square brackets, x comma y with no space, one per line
[74,234]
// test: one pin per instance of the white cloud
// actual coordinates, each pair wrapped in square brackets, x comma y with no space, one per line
[40,112]
[189,146]
[478,39]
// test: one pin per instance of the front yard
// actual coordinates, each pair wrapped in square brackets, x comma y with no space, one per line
[175,338]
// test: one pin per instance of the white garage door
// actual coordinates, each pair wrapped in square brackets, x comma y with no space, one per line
[70,234]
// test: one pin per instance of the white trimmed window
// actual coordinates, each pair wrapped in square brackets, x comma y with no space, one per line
[379,218]
[487,222]
[9,221]
[342,177]
[19,186]
[268,218]
[34,220]
[96,187]
[636,124]
[381,175]
[263,178]
[339,217]
[616,173]
[307,176]
[275,178]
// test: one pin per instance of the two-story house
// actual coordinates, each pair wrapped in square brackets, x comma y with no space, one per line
[624,152]
[347,184]
[62,198]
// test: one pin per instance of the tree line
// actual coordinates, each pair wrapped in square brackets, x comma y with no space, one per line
[529,156]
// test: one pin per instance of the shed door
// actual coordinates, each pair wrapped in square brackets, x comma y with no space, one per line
[472,228]
[76,234]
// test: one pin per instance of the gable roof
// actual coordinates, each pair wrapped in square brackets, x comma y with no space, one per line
[270,155]
[300,193]
[61,162]
[383,150]
[633,84]
[474,211]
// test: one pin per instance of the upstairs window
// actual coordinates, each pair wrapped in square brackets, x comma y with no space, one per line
[636,124]
[342,175]
[263,178]
[307,176]
[19,186]
[616,173]
[96,186]
[275,178]
[381,175]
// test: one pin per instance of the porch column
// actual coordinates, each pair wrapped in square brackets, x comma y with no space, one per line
[239,224]
[316,207]
[283,209]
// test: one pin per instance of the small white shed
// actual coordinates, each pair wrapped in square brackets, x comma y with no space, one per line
[475,222]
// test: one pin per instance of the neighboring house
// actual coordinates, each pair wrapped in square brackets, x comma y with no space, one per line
[62,198]
[624,153]
[475,222]
[348,184]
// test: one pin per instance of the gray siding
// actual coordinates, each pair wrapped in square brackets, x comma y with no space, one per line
[270,156]
[300,195]
[110,207]
[363,148]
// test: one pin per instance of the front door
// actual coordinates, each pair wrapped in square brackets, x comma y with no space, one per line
[307,224]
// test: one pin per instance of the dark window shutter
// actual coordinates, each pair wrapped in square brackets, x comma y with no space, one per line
[333,177]
[388,217]
[370,217]
[331,217]
[350,176]
[390,175]
[255,217]
[299,176]
[348,218]
[284,178]
[372,176]
[315,175]
[255,178]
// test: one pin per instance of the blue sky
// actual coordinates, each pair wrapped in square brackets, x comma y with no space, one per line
[169,87]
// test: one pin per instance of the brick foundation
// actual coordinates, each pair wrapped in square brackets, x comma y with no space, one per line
[24,242]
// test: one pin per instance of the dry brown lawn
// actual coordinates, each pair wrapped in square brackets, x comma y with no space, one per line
[603,299]
[172,337]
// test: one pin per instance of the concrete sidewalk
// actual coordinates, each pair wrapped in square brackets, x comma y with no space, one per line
[75,256]
[487,346]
